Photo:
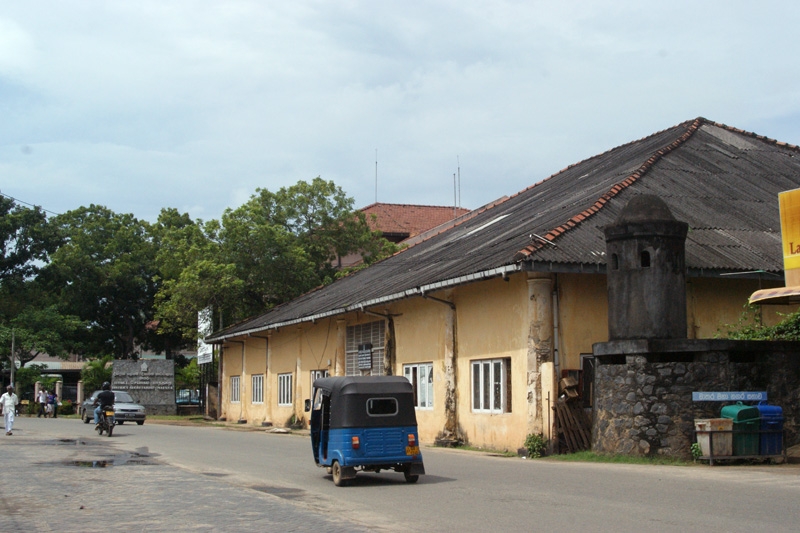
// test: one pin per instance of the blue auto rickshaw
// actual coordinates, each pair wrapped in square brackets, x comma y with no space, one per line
[364,423]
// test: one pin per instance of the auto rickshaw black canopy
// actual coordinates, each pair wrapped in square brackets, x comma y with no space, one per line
[349,396]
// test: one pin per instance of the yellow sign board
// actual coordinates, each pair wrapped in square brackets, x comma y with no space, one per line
[789,202]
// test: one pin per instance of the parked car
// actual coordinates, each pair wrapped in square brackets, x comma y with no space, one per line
[125,408]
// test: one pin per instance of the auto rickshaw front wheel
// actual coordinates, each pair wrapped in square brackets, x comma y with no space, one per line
[336,472]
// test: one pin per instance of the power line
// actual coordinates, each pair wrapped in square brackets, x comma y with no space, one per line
[28,203]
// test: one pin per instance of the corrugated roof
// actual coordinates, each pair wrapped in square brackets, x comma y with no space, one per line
[723,181]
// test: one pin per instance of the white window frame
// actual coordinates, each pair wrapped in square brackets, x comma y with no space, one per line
[317,374]
[235,389]
[257,388]
[421,377]
[285,397]
[488,386]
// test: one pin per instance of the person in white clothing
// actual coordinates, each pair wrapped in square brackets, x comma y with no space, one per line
[9,402]
[42,399]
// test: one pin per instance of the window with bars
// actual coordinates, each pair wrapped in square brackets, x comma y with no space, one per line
[258,388]
[364,350]
[234,389]
[284,389]
[421,377]
[491,386]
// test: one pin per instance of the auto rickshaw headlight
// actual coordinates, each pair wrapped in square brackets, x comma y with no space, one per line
[356,442]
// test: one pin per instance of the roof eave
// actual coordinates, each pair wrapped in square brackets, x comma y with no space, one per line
[421,291]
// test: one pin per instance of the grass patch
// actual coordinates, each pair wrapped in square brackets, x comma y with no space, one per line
[592,457]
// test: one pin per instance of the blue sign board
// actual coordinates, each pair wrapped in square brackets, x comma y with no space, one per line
[730,396]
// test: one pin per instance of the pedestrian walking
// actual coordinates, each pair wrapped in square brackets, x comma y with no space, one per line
[42,400]
[52,401]
[9,402]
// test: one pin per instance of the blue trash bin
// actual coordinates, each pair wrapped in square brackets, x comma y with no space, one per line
[772,421]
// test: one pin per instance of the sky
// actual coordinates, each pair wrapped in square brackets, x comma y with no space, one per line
[193,105]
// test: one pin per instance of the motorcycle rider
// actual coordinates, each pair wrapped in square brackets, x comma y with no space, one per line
[104,399]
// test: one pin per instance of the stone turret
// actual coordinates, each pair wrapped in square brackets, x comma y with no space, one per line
[645,251]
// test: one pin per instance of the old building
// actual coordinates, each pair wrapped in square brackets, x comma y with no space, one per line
[486,314]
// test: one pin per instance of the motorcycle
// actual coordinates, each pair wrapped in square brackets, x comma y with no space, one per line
[106,422]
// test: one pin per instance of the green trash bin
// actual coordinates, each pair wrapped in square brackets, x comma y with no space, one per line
[746,426]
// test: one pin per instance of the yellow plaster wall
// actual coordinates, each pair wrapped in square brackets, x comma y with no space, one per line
[493,324]
[421,338]
[714,302]
[231,366]
[582,316]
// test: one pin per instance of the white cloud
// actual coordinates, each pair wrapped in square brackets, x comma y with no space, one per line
[194,105]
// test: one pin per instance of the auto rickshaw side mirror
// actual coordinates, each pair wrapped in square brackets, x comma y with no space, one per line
[308,405]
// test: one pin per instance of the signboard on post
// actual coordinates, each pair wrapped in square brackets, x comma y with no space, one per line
[789,202]
[205,352]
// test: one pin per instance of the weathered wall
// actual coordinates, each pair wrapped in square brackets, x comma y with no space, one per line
[583,316]
[151,382]
[713,302]
[644,406]
[493,324]
[420,328]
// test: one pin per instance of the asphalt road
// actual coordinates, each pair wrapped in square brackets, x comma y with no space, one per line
[466,491]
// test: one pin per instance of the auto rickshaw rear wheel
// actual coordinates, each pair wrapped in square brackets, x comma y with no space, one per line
[336,471]
[410,478]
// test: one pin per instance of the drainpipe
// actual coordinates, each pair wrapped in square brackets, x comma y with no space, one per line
[341,347]
[556,355]
[450,434]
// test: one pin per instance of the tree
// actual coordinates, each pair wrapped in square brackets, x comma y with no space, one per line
[188,377]
[38,331]
[286,243]
[273,248]
[104,273]
[95,372]
[26,240]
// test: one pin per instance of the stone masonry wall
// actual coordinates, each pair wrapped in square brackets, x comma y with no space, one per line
[643,407]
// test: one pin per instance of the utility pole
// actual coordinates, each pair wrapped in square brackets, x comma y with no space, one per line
[13,357]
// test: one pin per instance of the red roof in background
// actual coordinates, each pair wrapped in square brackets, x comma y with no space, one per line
[408,220]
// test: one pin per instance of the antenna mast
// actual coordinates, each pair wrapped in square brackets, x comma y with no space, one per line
[376,175]
[455,197]
[458,164]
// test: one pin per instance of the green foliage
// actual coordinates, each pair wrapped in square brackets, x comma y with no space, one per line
[750,327]
[36,331]
[104,274]
[188,377]
[697,452]
[95,372]
[25,240]
[26,377]
[273,248]
[536,445]
[93,282]
[66,408]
